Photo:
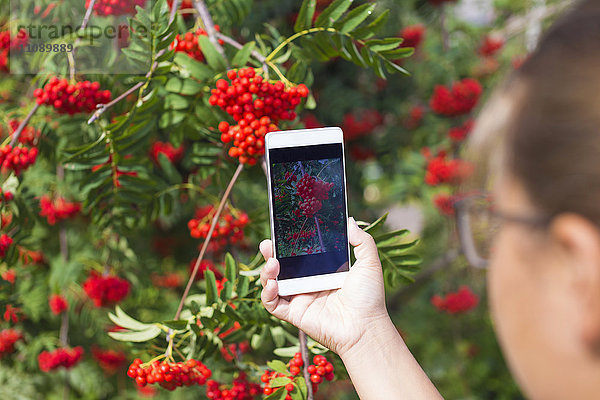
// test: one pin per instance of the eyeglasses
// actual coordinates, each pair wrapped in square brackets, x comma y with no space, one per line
[478,223]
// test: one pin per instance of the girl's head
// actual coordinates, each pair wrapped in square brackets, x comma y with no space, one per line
[540,137]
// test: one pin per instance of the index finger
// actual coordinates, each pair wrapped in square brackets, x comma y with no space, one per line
[266,248]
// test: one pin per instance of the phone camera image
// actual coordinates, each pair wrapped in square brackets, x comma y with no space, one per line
[309,210]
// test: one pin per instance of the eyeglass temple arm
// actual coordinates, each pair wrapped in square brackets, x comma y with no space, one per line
[466,242]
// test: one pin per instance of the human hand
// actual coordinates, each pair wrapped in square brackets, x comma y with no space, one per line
[335,318]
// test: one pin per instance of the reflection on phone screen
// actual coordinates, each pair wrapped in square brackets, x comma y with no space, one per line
[309,210]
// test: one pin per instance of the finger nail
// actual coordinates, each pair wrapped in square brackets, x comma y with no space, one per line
[353,222]
[270,263]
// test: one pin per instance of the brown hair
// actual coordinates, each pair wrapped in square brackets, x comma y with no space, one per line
[543,125]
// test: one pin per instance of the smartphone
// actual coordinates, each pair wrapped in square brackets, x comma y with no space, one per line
[308,208]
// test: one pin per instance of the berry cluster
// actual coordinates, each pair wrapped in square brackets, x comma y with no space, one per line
[110,360]
[169,375]
[257,106]
[415,116]
[459,133]
[205,265]
[312,192]
[229,228]
[361,123]
[458,100]
[82,97]
[11,313]
[301,235]
[230,351]
[17,158]
[240,389]
[442,170]
[58,209]
[172,153]
[290,177]
[105,290]
[67,358]
[459,302]
[412,35]
[8,338]
[29,135]
[490,45]
[57,304]
[5,196]
[188,43]
[5,242]
[9,276]
[170,280]
[319,370]
[9,44]
[445,203]
[115,7]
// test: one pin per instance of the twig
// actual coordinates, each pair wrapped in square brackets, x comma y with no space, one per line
[306,361]
[84,23]
[102,108]
[259,57]
[209,25]
[174,8]
[17,133]
[208,237]
[64,251]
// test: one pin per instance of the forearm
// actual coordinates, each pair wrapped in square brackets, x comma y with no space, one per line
[382,367]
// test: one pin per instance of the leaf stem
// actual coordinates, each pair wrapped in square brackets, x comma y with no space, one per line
[17,133]
[208,237]
[209,25]
[294,37]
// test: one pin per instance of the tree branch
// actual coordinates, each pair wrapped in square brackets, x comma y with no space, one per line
[84,23]
[209,25]
[262,59]
[306,361]
[208,237]
[16,134]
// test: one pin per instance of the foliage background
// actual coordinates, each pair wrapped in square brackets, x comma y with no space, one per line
[458,352]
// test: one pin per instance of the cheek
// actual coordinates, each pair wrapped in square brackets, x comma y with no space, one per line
[512,296]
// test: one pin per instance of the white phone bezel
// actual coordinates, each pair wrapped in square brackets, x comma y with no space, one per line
[295,138]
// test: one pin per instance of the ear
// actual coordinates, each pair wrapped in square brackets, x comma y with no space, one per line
[579,241]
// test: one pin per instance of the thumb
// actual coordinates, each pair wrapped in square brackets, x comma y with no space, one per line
[365,249]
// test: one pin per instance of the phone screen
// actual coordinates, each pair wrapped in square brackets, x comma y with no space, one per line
[309,210]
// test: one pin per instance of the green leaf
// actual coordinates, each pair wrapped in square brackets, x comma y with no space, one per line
[407,259]
[375,224]
[243,55]
[278,335]
[183,86]
[286,351]
[301,385]
[305,15]
[332,13]
[136,336]
[389,235]
[171,172]
[278,366]
[211,287]
[176,325]
[214,59]
[196,69]
[243,284]
[227,291]
[281,381]
[125,321]
[278,394]
[397,246]
[230,268]
[355,18]
[379,45]
[373,27]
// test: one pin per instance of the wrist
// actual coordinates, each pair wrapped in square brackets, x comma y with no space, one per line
[376,335]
